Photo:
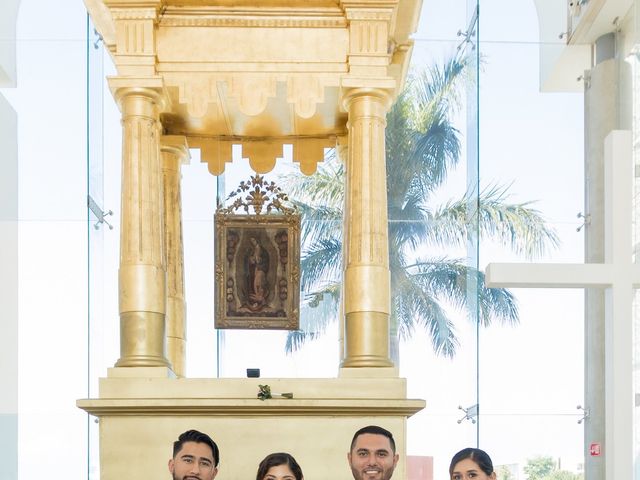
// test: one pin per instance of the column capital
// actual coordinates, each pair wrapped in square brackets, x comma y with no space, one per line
[150,87]
[176,145]
[384,94]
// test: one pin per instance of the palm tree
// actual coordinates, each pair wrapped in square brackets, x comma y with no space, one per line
[422,147]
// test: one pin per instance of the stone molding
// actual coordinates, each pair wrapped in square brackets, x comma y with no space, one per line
[211,407]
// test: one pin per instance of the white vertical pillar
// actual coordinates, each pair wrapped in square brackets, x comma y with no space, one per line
[9,290]
[619,399]
[8,246]
[603,114]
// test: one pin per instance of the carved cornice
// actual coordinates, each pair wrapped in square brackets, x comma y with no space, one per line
[370,14]
[253,17]
[133,13]
[256,22]
[250,407]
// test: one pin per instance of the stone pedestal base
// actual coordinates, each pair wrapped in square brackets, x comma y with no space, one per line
[141,417]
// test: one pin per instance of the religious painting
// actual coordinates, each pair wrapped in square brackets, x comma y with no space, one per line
[257,261]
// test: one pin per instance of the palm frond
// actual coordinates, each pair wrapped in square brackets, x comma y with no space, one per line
[413,306]
[297,338]
[422,147]
[408,223]
[436,88]
[319,222]
[438,149]
[325,187]
[518,225]
[450,279]
[321,262]
[496,303]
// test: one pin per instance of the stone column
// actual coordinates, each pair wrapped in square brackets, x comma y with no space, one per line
[142,274]
[175,152]
[366,245]
[342,152]
[603,113]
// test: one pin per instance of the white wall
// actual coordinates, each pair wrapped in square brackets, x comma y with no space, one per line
[48,181]
[8,291]
[8,15]
[8,247]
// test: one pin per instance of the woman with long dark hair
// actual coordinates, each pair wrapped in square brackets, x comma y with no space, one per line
[279,466]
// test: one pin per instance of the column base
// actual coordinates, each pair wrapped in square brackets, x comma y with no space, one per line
[367,340]
[142,361]
[368,372]
[140,372]
[364,361]
[142,340]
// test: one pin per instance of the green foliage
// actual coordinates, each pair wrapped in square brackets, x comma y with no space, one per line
[422,148]
[504,473]
[538,468]
[544,468]
[564,475]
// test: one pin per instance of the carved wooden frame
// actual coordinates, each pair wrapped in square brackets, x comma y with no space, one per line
[237,303]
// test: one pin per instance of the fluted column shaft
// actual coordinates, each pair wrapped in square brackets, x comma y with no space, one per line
[142,274]
[174,152]
[366,244]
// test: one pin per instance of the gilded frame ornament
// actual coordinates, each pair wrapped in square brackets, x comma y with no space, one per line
[257,261]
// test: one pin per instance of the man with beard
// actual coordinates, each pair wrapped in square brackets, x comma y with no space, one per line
[373,454]
[195,457]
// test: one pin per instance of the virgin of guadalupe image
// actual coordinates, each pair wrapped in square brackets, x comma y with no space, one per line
[257,284]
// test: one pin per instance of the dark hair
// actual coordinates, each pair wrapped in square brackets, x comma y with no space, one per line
[198,437]
[480,457]
[275,459]
[375,430]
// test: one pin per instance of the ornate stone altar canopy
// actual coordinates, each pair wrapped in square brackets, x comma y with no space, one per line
[258,72]
[207,75]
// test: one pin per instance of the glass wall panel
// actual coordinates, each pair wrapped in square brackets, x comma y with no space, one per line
[49,101]
[447,47]
[636,387]
[512,118]
[100,221]
[527,378]
[531,374]
[633,60]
